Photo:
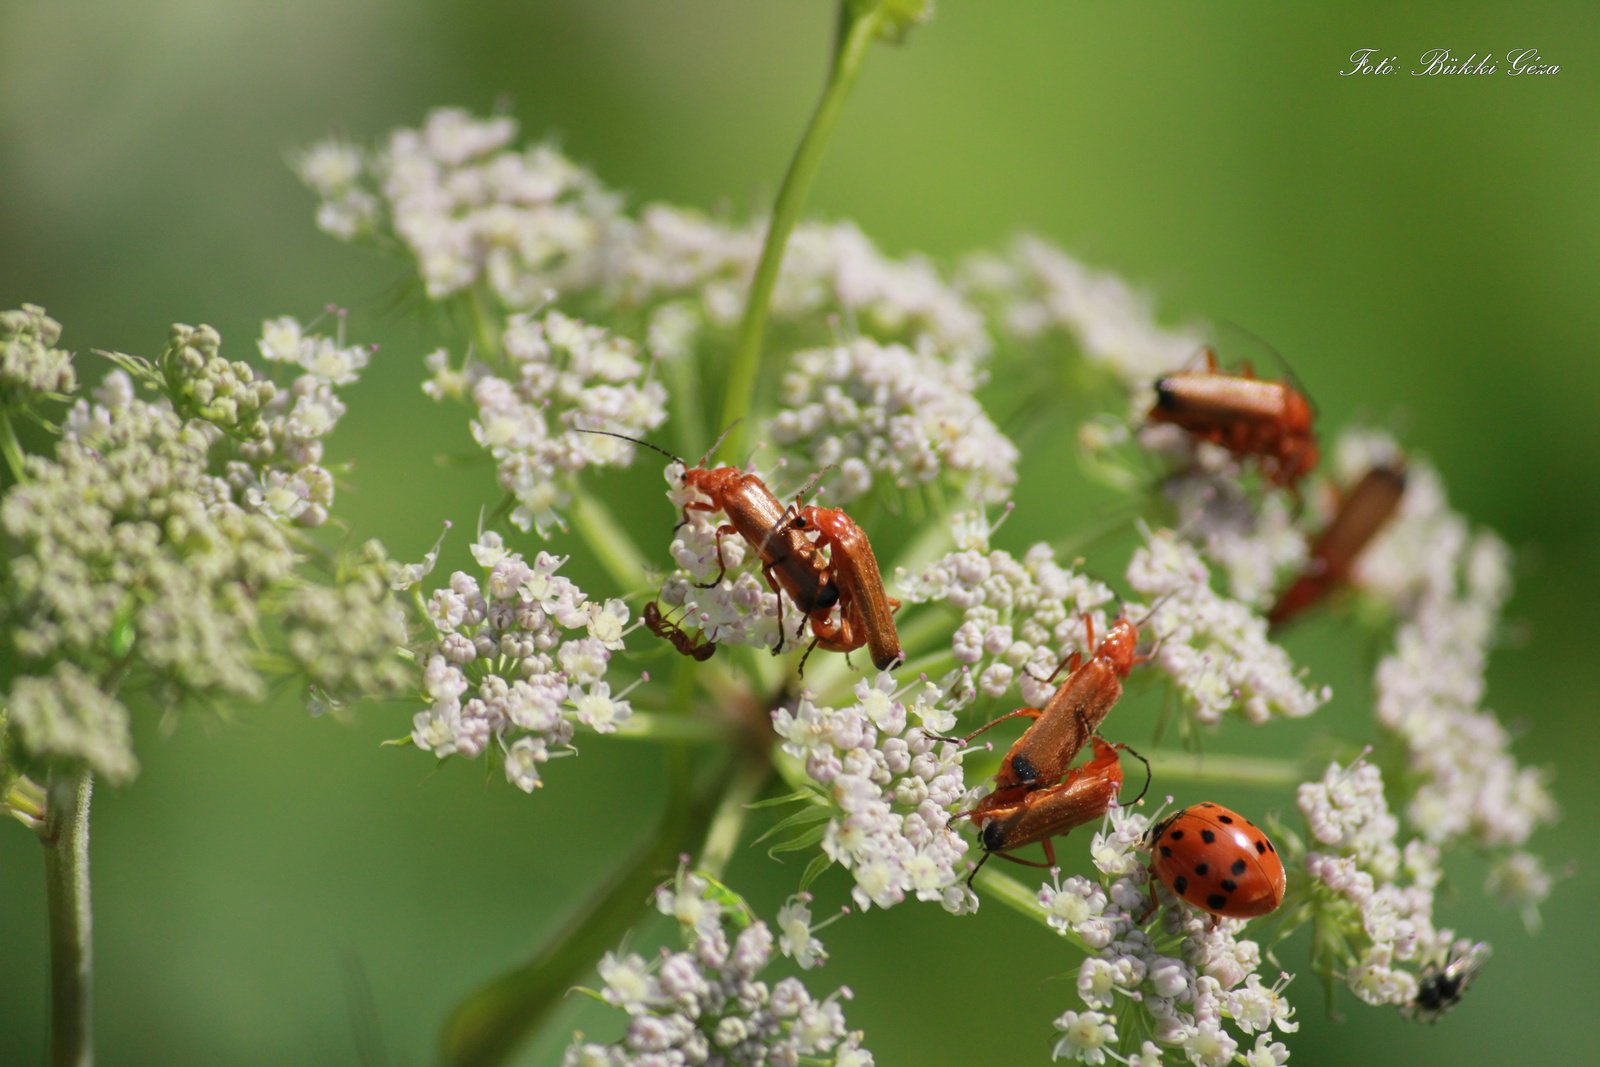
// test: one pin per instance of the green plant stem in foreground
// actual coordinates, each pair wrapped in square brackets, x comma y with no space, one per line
[11,448]
[723,836]
[1233,770]
[65,836]
[489,1026]
[856,30]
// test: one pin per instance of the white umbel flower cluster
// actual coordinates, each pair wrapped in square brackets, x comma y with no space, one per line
[1020,618]
[884,411]
[1040,288]
[892,787]
[530,223]
[706,1005]
[1184,974]
[1356,857]
[501,666]
[561,376]
[281,473]
[1254,539]
[1214,648]
[1448,584]
[826,267]
[524,222]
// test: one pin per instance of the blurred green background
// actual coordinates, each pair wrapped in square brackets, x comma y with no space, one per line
[1422,249]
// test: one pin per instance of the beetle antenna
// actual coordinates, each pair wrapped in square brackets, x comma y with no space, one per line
[1282,361]
[636,441]
[718,442]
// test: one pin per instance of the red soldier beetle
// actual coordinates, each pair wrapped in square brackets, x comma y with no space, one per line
[1084,795]
[1365,511]
[1244,414]
[1065,724]
[695,646]
[866,612]
[788,559]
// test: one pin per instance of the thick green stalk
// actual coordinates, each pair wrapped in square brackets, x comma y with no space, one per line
[65,836]
[1234,770]
[611,544]
[856,30]
[728,823]
[491,1024]
[11,448]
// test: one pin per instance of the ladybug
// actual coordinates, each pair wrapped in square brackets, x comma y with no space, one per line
[1217,860]
[1440,988]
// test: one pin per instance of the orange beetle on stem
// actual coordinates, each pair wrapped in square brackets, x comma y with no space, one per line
[1361,515]
[1244,414]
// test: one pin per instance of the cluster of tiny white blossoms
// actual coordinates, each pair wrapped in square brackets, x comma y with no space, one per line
[1255,539]
[706,1005]
[1175,980]
[886,411]
[562,376]
[1447,584]
[739,608]
[526,222]
[279,472]
[892,788]
[1020,618]
[500,666]
[1375,893]
[129,559]
[531,223]
[1215,649]
[826,267]
[1039,288]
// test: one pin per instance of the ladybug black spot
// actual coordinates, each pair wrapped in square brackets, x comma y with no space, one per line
[1216,900]
[1200,869]
[1270,848]
[1176,835]
[1166,853]
[1180,884]
[1208,837]
[1238,868]
[1229,885]
[1261,846]
[1208,804]
[1225,818]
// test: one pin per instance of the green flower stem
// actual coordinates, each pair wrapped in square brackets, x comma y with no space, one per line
[856,31]
[11,448]
[489,1026]
[1004,889]
[1237,770]
[728,822]
[65,836]
[609,541]
[649,726]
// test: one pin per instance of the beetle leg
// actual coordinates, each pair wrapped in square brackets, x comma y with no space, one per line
[1032,713]
[723,573]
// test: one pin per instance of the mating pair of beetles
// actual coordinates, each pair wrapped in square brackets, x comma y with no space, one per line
[1212,857]
[793,564]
